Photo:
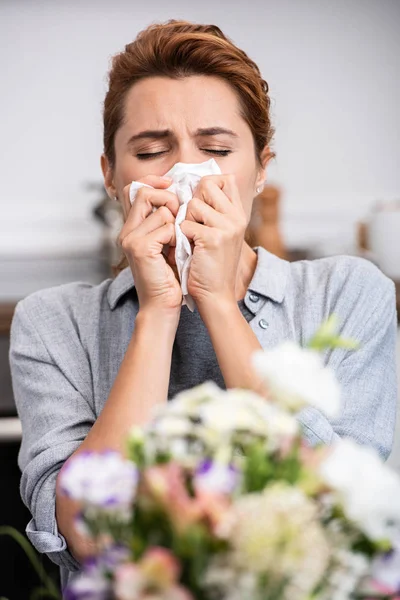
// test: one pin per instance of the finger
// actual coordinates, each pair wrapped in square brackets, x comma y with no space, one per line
[155,198]
[157,219]
[146,192]
[156,181]
[152,244]
[146,200]
[163,236]
[220,191]
[197,210]
[201,234]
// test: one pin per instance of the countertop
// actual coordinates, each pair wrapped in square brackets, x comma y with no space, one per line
[21,276]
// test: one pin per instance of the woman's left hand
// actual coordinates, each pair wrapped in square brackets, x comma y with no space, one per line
[215,225]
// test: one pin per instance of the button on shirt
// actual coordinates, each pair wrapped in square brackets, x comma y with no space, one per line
[67,344]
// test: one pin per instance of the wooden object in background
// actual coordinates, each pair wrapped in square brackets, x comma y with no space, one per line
[6,315]
[264,226]
[362,236]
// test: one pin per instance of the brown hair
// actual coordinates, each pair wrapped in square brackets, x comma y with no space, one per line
[178,49]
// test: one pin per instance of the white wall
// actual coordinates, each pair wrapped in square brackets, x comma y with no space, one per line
[333,69]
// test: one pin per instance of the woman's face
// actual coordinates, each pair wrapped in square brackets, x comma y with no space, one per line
[188,120]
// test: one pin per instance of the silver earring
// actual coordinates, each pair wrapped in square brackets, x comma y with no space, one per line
[259,189]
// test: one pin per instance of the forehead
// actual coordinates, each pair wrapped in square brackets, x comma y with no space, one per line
[195,101]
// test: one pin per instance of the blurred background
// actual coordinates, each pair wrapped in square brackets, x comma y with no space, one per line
[333,68]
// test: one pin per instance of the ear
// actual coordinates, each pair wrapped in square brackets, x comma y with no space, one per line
[108,175]
[266,156]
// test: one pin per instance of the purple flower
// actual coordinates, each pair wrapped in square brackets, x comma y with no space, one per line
[92,583]
[102,480]
[88,587]
[386,568]
[115,555]
[216,477]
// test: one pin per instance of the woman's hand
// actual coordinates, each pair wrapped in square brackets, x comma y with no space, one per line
[142,239]
[215,224]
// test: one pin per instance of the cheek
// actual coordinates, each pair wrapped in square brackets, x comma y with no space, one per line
[122,177]
[129,168]
[125,173]
[246,192]
[245,174]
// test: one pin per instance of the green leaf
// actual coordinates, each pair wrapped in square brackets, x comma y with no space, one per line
[41,593]
[258,469]
[136,447]
[327,337]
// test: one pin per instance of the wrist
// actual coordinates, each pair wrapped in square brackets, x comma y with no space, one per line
[163,321]
[217,308]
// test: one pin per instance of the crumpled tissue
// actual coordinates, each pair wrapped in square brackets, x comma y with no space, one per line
[185,178]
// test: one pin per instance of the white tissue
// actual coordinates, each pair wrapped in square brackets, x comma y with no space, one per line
[185,178]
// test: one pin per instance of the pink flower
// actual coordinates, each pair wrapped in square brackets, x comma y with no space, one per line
[128,583]
[166,485]
[160,566]
[154,577]
[379,588]
[214,507]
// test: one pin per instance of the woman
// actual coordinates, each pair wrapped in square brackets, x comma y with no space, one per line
[88,362]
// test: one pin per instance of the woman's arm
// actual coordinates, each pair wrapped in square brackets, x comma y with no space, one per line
[234,343]
[52,374]
[141,384]
[367,376]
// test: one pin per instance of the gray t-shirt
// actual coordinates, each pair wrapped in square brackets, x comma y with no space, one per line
[67,344]
[193,357]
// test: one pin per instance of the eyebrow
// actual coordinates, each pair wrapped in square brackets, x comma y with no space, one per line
[158,134]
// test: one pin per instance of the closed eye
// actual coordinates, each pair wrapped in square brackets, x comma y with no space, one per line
[147,155]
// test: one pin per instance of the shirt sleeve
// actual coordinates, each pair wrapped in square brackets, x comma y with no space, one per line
[366,308]
[54,414]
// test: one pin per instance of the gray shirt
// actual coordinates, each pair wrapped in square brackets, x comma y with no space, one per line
[68,342]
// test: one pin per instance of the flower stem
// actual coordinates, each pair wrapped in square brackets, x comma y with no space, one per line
[50,587]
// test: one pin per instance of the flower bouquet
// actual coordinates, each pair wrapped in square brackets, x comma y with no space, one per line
[221,498]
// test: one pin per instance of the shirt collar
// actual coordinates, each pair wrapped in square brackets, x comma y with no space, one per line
[120,286]
[269,279]
[271,275]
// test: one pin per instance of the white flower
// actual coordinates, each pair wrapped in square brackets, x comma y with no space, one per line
[242,410]
[234,410]
[187,402]
[208,417]
[277,532]
[368,489]
[171,425]
[346,572]
[230,582]
[297,377]
[100,480]
[280,425]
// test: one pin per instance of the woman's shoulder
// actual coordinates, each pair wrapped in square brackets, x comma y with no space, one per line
[336,274]
[62,305]
[350,286]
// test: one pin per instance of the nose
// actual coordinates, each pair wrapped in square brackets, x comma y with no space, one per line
[188,152]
